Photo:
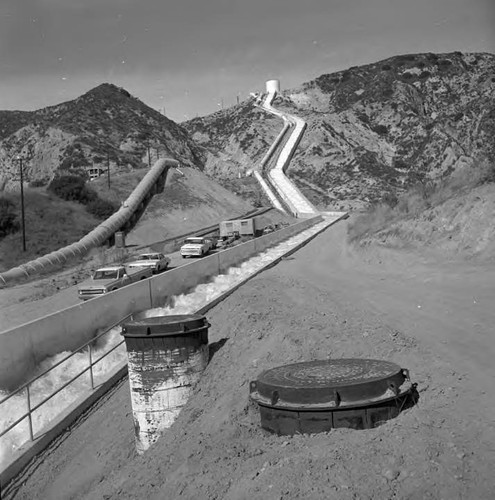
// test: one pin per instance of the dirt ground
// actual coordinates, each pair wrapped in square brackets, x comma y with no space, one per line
[327,300]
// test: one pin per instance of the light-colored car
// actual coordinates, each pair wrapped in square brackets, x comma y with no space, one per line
[155,261]
[196,246]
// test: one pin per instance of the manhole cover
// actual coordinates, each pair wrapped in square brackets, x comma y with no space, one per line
[316,396]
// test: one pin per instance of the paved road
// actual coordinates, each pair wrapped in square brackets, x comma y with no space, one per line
[25,311]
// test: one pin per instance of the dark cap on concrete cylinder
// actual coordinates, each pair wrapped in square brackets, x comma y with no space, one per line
[174,331]
[160,326]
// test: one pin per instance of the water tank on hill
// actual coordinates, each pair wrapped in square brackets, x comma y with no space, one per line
[273,86]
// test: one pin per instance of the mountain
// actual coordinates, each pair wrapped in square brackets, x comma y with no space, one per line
[105,124]
[373,130]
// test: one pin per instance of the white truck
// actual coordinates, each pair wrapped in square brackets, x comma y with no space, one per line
[196,246]
[110,278]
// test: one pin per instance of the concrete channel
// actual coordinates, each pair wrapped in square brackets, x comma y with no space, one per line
[204,297]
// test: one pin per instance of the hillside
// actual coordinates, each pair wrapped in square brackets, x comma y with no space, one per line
[448,219]
[188,202]
[106,124]
[372,130]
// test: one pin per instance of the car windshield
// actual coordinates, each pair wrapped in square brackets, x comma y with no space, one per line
[105,275]
[147,257]
[194,241]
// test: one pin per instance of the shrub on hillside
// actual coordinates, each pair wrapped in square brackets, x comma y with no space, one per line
[380,129]
[101,209]
[423,195]
[72,188]
[8,217]
[38,183]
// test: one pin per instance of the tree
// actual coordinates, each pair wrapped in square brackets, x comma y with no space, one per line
[8,217]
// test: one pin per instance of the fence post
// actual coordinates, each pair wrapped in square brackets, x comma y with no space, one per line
[91,367]
[30,418]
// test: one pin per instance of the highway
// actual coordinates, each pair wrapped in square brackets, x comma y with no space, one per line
[21,313]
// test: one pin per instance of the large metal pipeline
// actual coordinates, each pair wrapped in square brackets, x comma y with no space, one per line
[99,234]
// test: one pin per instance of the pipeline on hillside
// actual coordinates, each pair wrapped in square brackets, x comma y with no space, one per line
[152,182]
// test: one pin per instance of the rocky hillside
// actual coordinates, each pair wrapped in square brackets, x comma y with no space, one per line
[105,124]
[372,130]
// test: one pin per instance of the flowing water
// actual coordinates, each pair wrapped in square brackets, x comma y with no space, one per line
[13,408]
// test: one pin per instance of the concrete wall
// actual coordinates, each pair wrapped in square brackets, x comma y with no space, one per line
[24,347]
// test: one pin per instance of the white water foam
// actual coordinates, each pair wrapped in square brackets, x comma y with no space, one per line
[12,409]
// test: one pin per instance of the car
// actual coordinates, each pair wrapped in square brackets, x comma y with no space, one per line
[155,261]
[196,246]
[225,241]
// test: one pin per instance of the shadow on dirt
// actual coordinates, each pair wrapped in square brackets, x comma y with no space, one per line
[214,347]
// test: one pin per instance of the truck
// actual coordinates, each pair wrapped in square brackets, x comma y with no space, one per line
[110,278]
[196,246]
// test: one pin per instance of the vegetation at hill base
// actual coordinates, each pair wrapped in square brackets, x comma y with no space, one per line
[51,223]
[9,222]
[75,188]
[452,214]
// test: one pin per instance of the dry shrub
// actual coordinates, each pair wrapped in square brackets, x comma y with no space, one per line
[422,196]
[370,222]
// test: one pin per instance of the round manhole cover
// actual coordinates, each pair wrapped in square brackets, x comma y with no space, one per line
[337,385]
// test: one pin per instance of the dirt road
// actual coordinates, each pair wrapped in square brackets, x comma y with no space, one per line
[326,301]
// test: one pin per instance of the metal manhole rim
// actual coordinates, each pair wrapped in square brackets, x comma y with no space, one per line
[325,407]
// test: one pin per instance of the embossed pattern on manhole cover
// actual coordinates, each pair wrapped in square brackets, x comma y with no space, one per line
[329,373]
[317,382]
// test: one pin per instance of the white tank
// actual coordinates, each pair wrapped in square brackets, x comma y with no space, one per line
[273,86]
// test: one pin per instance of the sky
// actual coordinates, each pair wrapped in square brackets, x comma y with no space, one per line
[193,57]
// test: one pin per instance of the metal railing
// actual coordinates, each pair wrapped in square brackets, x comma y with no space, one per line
[26,387]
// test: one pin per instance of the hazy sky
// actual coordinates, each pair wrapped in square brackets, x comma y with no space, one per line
[189,56]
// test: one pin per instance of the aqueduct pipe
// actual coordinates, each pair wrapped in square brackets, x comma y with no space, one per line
[98,235]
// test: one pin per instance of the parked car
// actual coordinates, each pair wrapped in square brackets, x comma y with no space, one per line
[196,246]
[155,261]
[110,278]
[225,241]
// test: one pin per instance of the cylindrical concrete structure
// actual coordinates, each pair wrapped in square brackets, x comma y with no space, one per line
[166,357]
[120,239]
[273,86]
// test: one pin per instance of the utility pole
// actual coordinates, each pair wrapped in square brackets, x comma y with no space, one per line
[108,169]
[149,157]
[19,157]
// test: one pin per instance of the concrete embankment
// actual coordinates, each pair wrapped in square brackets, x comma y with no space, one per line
[24,347]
